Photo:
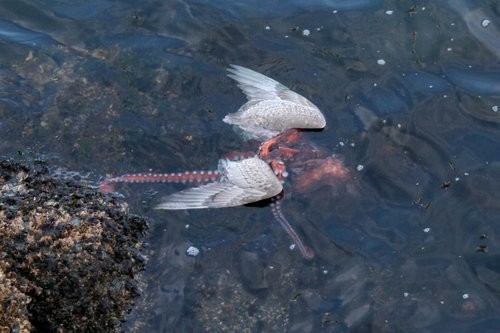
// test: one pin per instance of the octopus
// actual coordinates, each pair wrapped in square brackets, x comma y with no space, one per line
[277,117]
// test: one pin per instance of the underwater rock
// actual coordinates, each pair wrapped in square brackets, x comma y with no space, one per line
[69,255]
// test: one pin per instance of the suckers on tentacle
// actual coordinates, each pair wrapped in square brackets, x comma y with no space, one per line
[305,251]
[197,177]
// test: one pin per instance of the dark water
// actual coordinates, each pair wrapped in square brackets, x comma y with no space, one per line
[411,94]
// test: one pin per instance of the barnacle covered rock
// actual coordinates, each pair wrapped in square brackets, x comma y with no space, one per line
[69,255]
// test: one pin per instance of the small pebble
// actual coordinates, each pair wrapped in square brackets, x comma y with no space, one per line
[389,12]
[360,167]
[381,62]
[192,251]
[485,23]
[427,229]
[465,296]
[495,108]
[306,32]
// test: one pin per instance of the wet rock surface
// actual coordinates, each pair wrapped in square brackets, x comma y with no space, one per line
[69,255]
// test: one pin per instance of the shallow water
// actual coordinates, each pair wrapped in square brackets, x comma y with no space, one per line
[411,94]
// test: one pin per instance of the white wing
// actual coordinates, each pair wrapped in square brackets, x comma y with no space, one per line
[245,181]
[214,195]
[259,87]
[271,108]
[254,85]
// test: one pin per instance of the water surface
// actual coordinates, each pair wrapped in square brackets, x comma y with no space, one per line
[410,91]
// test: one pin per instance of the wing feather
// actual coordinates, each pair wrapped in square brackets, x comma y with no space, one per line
[214,195]
[254,85]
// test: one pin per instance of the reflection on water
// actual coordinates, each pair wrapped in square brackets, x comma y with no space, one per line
[411,96]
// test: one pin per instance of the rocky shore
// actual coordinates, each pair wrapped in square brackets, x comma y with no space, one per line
[69,255]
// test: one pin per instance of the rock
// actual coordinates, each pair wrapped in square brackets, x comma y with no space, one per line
[69,255]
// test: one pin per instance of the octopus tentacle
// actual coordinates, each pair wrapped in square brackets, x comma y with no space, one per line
[305,251]
[290,136]
[198,177]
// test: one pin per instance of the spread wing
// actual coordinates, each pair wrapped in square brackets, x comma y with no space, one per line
[254,85]
[214,195]
[258,87]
